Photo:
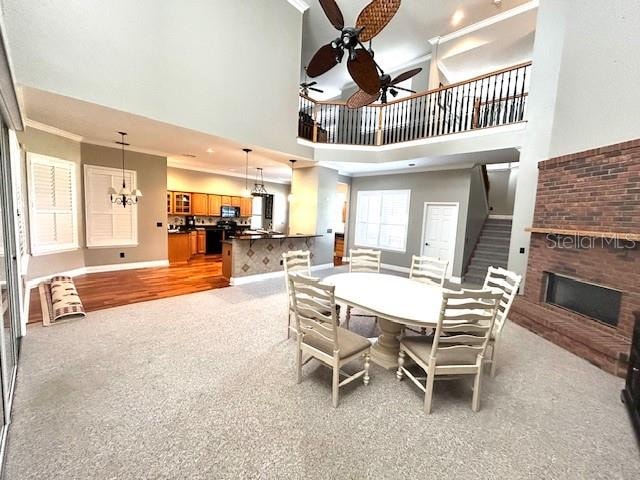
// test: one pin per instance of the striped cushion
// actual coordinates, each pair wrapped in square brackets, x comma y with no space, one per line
[63,299]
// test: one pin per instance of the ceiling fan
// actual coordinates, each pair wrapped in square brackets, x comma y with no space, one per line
[387,85]
[305,87]
[361,65]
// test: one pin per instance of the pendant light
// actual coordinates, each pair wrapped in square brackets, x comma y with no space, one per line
[290,197]
[124,197]
[258,188]
[246,192]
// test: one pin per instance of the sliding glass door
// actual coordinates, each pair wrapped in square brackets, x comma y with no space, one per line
[9,287]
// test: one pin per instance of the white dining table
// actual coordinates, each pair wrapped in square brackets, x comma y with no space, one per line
[396,301]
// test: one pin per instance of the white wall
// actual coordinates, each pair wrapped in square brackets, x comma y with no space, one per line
[226,68]
[586,72]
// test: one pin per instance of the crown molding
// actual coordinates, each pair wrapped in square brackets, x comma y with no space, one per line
[130,148]
[173,163]
[299,5]
[53,130]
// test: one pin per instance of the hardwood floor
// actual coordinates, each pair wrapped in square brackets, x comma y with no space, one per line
[111,289]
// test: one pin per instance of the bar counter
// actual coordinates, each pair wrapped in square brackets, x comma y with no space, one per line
[258,255]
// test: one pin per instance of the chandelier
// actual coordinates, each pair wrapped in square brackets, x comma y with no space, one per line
[125,196]
[258,187]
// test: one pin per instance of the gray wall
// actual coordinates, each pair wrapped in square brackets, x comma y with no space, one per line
[152,181]
[327,190]
[191,181]
[477,213]
[438,186]
[502,191]
[37,141]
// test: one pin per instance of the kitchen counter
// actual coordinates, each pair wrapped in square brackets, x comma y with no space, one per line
[258,255]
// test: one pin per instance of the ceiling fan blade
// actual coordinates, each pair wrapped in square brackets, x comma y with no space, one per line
[364,72]
[312,84]
[362,99]
[406,76]
[316,90]
[375,16]
[404,89]
[333,13]
[323,61]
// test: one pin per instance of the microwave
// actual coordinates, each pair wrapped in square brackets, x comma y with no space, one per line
[227,211]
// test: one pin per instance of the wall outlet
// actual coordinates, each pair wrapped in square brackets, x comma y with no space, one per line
[521,249]
[281,262]
[159,224]
[329,230]
[121,254]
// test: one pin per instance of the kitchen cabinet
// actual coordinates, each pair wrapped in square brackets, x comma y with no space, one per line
[235,201]
[169,202]
[182,203]
[245,206]
[179,248]
[215,202]
[193,243]
[226,200]
[199,204]
[201,242]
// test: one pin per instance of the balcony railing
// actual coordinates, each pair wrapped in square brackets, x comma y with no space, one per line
[498,98]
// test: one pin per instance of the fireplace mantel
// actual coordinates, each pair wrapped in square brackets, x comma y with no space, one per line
[585,233]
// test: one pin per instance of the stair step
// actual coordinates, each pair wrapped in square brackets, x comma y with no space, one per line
[482,259]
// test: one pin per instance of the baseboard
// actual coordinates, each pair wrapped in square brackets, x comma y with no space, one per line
[126,266]
[501,217]
[34,282]
[235,281]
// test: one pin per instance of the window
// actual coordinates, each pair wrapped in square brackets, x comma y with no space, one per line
[107,224]
[52,204]
[382,217]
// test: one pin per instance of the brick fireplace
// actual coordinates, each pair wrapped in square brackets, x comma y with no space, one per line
[587,229]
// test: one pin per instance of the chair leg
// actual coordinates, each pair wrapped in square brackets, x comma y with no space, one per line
[399,373]
[347,317]
[428,394]
[475,403]
[366,368]
[289,326]
[298,363]
[494,354]
[335,387]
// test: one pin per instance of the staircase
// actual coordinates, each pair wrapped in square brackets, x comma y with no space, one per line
[492,249]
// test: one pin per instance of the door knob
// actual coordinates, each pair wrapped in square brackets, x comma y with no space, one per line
[427,244]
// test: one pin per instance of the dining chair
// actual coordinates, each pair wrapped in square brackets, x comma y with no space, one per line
[319,335]
[428,270]
[366,261]
[458,345]
[294,261]
[507,282]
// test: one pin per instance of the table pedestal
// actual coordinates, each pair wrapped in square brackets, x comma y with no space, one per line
[385,351]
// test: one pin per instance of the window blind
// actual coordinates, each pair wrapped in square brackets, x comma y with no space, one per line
[382,218]
[108,224]
[52,204]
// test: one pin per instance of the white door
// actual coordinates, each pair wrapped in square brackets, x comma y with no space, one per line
[439,231]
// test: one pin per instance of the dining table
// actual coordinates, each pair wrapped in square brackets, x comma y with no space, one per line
[396,302]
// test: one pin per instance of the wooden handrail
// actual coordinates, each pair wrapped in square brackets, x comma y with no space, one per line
[426,92]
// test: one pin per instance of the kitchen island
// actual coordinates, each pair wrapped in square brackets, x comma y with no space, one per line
[249,258]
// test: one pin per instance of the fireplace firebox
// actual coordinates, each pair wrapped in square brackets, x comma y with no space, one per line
[595,301]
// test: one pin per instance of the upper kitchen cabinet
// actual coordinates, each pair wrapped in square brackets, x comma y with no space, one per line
[199,204]
[215,203]
[236,201]
[245,206]
[182,203]
[226,200]
[170,202]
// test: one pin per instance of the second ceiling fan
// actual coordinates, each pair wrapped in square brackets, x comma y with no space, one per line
[361,65]
[387,86]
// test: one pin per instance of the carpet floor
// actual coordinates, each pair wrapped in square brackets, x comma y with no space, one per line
[203,387]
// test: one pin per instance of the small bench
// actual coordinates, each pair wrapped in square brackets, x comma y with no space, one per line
[59,300]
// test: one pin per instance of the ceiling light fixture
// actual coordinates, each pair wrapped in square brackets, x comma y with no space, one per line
[124,197]
[210,150]
[293,162]
[457,17]
[258,188]
[246,192]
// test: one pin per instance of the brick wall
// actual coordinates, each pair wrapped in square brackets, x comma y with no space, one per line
[593,190]
[596,190]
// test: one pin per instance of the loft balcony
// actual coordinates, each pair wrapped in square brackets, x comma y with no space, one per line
[492,100]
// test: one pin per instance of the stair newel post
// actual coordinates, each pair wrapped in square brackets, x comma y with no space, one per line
[380,125]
